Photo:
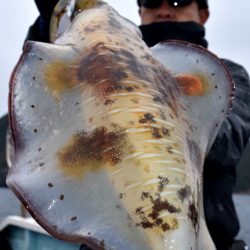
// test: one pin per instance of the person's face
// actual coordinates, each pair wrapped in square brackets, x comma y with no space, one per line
[178,14]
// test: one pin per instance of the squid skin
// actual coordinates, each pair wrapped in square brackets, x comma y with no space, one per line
[110,137]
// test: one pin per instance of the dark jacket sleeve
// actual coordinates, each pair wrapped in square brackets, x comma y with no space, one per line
[3,163]
[234,134]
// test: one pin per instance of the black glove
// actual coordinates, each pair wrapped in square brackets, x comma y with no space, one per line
[39,31]
[46,8]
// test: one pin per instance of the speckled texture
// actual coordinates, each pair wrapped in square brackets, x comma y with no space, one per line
[110,145]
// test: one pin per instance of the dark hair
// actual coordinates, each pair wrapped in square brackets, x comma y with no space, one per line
[203,4]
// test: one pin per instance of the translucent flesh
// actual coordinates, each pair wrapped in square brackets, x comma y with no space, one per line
[108,147]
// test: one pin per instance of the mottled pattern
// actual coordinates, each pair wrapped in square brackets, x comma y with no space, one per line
[92,151]
[109,142]
[152,220]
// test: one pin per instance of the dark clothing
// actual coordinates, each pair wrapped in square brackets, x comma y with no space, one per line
[155,32]
[231,140]
[220,164]
[45,8]
[39,31]
[3,163]
[235,131]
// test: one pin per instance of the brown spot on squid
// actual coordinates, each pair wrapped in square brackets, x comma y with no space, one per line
[91,151]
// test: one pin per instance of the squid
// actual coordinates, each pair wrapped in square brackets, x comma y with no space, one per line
[109,136]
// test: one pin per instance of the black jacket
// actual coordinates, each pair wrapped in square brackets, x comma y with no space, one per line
[235,131]
[3,164]
[221,162]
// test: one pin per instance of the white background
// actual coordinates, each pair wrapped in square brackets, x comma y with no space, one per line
[228,32]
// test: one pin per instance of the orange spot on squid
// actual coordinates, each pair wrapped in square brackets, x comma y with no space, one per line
[191,85]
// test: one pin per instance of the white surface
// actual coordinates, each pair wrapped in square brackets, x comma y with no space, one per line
[25,223]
